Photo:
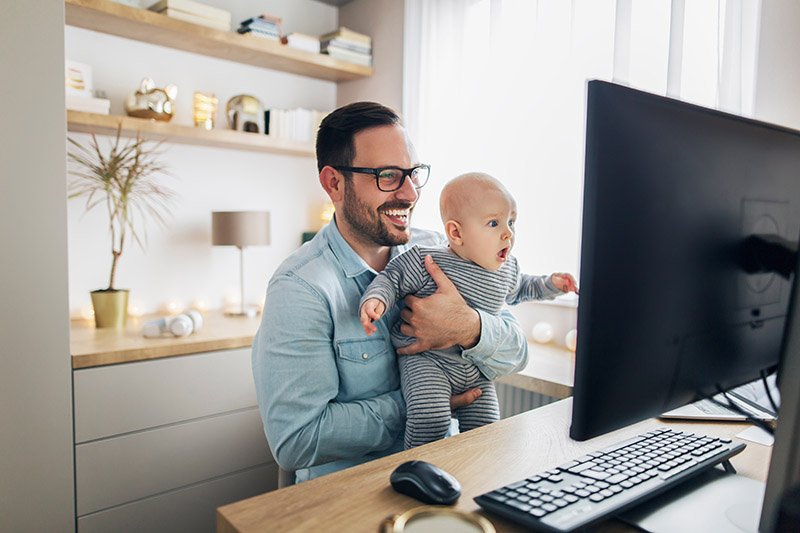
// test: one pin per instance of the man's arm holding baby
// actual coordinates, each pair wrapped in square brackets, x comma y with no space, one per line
[495,344]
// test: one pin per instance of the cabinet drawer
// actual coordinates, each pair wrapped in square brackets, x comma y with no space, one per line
[191,509]
[121,469]
[129,397]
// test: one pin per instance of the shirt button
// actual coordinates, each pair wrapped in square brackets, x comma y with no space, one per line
[365,356]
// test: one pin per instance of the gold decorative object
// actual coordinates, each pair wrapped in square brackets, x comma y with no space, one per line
[436,519]
[205,110]
[151,102]
[245,113]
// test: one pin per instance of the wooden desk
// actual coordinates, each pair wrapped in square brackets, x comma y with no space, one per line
[359,498]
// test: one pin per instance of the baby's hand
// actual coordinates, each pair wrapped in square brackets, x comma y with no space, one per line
[371,311]
[564,282]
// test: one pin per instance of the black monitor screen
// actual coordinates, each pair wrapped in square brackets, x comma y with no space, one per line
[670,308]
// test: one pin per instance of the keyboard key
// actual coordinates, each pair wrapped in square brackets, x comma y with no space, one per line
[497,497]
[517,505]
[583,466]
[594,474]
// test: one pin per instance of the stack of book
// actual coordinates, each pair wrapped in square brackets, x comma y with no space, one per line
[194,12]
[293,124]
[302,42]
[78,89]
[347,45]
[264,26]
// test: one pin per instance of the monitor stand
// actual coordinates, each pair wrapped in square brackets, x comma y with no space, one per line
[713,501]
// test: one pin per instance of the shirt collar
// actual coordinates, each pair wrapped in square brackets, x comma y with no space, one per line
[352,263]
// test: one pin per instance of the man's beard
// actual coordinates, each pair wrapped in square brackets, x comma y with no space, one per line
[368,223]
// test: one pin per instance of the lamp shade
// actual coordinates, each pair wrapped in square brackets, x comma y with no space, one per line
[240,228]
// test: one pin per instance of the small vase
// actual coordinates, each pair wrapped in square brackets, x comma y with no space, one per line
[110,308]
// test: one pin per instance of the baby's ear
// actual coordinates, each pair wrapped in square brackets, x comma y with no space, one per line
[452,230]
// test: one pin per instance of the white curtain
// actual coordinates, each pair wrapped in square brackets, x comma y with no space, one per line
[499,86]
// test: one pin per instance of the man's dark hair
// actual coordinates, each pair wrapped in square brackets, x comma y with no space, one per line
[335,146]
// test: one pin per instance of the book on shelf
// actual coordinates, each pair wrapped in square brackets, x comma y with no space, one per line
[190,7]
[266,17]
[265,25]
[267,36]
[89,104]
[347,34]
[301,42]
[293,124]
[349,55]
[196,19]
[349,45]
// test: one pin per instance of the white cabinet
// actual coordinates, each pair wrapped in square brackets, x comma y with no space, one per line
[160,444]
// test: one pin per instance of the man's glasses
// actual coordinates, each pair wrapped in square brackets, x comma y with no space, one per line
[390,179]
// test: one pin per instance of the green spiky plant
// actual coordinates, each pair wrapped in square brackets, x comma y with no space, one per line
[121,179]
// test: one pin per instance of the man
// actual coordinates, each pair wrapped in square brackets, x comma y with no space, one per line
[328,394]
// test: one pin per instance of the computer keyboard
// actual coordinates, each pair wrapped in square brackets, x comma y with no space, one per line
[603,483]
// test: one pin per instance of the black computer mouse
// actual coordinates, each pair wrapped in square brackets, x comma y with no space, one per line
[426,482]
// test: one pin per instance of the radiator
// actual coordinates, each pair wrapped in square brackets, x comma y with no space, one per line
[513,400]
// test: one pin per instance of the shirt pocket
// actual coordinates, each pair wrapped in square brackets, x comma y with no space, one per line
[367,367]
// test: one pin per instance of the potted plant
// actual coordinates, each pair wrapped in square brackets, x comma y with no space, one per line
[121,180]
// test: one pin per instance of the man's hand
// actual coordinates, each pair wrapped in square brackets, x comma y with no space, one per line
[465,398]
[564,282]
[371,311]
[441,320]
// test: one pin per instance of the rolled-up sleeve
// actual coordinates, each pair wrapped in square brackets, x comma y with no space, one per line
[297,383]
[502,348]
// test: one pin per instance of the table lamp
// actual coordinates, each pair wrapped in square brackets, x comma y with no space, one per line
[240,229]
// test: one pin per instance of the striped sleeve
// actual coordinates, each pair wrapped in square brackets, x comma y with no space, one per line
[404,275]
[531,287]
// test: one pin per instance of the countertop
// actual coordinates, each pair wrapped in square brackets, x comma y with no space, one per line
[91,346]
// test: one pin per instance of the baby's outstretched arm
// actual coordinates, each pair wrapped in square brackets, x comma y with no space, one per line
[564,282]
[371,311]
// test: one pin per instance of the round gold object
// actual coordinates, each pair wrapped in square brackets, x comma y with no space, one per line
[433,519]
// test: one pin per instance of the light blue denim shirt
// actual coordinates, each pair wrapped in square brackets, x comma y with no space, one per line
[329,395]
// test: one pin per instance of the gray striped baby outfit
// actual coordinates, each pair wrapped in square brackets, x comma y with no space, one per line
[429,379]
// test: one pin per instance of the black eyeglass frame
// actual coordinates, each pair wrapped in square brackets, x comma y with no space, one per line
[377,171]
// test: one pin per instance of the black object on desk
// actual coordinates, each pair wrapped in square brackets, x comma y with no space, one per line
[426,482]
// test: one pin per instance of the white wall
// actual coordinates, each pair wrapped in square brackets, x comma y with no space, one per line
[778,79]
[36,484]
[383,20]
[179,262]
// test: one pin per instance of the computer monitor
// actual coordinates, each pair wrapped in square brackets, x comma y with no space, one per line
[670,309]
[668,313]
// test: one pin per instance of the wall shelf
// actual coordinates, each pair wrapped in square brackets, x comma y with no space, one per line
[150,27]
[81,122]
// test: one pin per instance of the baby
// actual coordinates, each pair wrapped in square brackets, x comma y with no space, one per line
[478,215]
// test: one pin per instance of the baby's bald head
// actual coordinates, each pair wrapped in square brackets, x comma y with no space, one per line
[463,194]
